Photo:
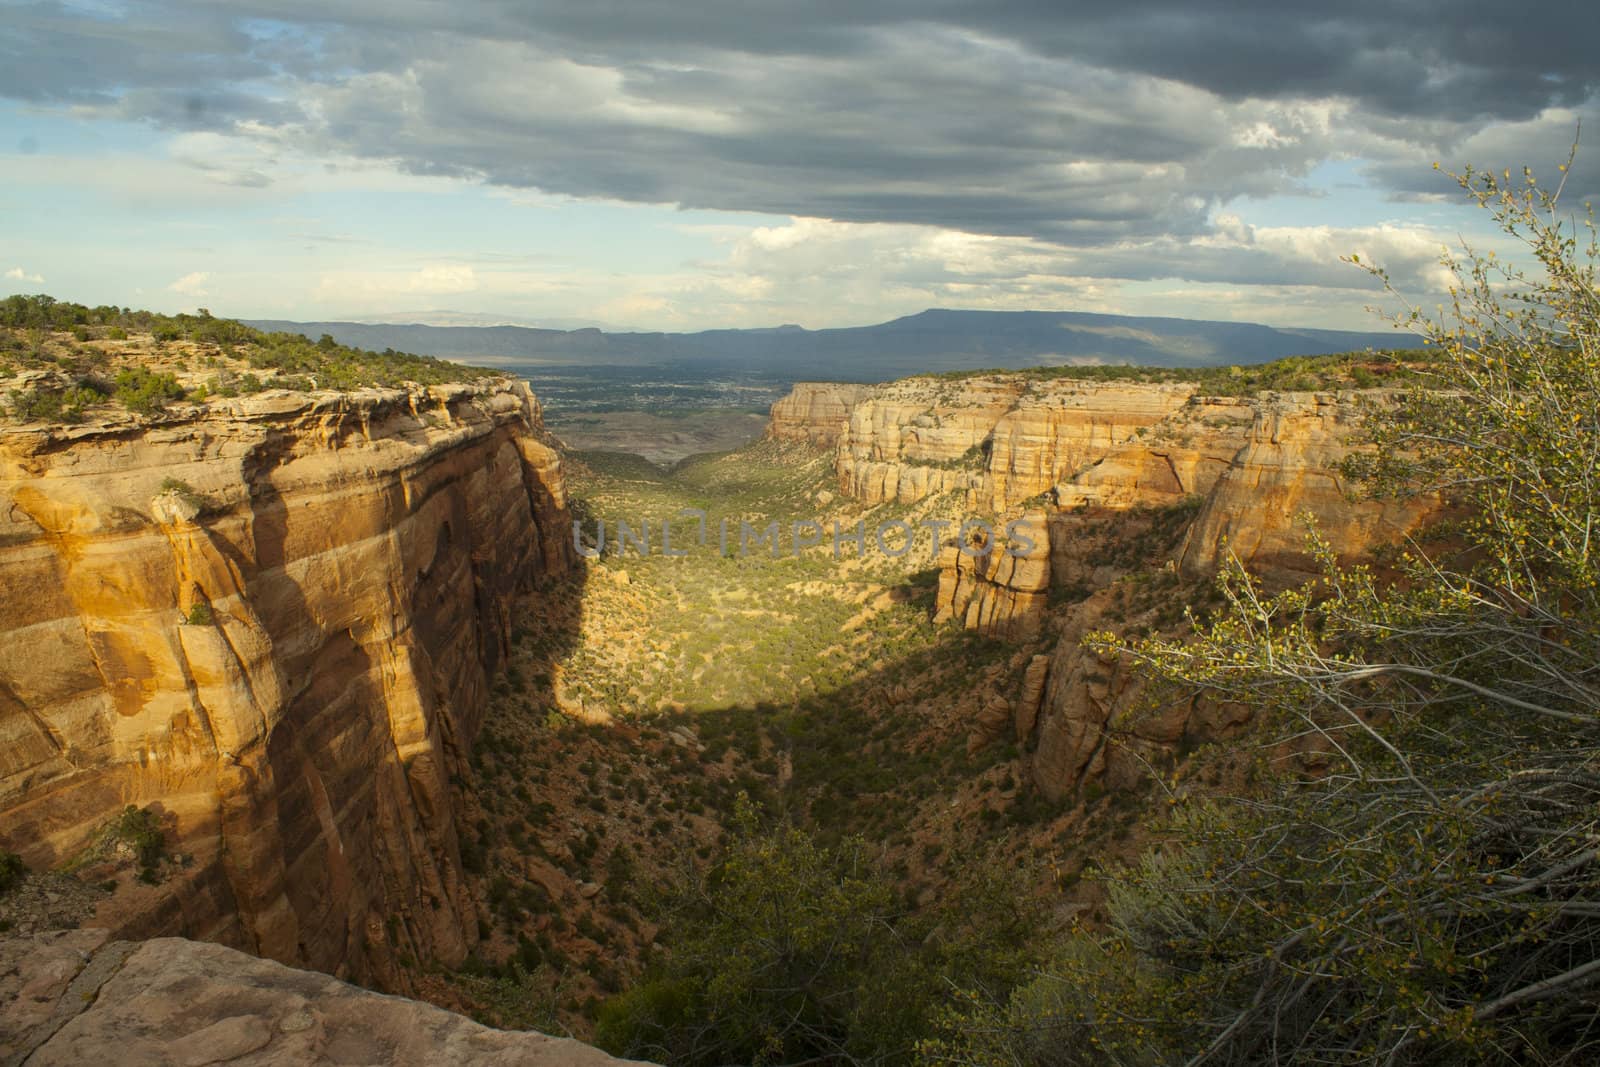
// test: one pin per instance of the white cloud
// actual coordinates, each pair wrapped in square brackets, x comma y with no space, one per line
[375,288]
[192,284]
[447,279]
[17,274]
[1261,135]
[822,273]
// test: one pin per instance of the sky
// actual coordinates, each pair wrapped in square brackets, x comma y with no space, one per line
[642,164]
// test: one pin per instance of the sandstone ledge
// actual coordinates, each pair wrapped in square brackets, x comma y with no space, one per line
[76,997]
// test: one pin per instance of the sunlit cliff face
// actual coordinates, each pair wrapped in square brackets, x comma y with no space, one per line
[275,620]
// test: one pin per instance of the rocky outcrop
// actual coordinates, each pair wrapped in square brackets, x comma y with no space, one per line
[75,998]
[814,413]
[1260,464]
[1282,468]
[1123,478]
[997,585]
[1180,457]
[1000,439]
[274,620]
[1250,473]
[1287,472]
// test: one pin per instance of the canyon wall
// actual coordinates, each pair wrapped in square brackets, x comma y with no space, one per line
[1287,470]
[1113,480]
[1252,474]
[814,413]
[274,619]
[1256,467]
[1001,439]
[997,584]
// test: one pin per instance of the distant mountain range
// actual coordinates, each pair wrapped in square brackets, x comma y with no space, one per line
[935,340]
[470,318]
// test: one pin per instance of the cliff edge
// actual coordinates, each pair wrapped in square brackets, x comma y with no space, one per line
[77,997]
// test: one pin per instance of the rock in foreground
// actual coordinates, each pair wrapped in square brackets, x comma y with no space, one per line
[76,998]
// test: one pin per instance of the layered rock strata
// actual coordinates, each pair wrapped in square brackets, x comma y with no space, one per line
[997,585]
[814,413]
[273,620]
[1000,439]
[1109,471]
[1257,468]
[1286,473]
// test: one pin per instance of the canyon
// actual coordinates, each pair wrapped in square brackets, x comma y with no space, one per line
[326,641]
[1263,470]
[1081,469]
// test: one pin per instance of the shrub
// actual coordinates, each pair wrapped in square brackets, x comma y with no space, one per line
[787,950]
[44,404]
[12,870]
[144,391]
[140,830]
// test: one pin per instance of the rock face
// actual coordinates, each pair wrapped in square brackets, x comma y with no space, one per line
[814,412]
[1169,464]
[1286,470]
[76,998]
[1258,473]
[998,586]
[275,620]
[999,438]
[1171,461]
[1117,467]
[1257,467]
[1260,464]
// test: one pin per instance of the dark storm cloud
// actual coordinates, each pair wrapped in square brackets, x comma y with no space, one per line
[1080,124]
[1451,58]
[1455,59]
[50,53]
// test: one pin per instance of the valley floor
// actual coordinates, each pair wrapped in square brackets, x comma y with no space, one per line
[657,436]
[649,692]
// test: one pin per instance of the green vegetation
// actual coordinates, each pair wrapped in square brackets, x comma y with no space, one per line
[12,870]
[60,404]
[139,830]
[1433,897]
[717,629]
[144,391]
[39,332]
[188,494]
[1358,370]
[788,951]
[643,695]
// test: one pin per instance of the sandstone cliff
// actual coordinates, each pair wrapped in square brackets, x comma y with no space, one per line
[1004,439]
[971,577]
[76,998]
[814,412]
[1147,482]
[1000,438]
[1287,469]
[1285,450]
[274,619]
[1255,468]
